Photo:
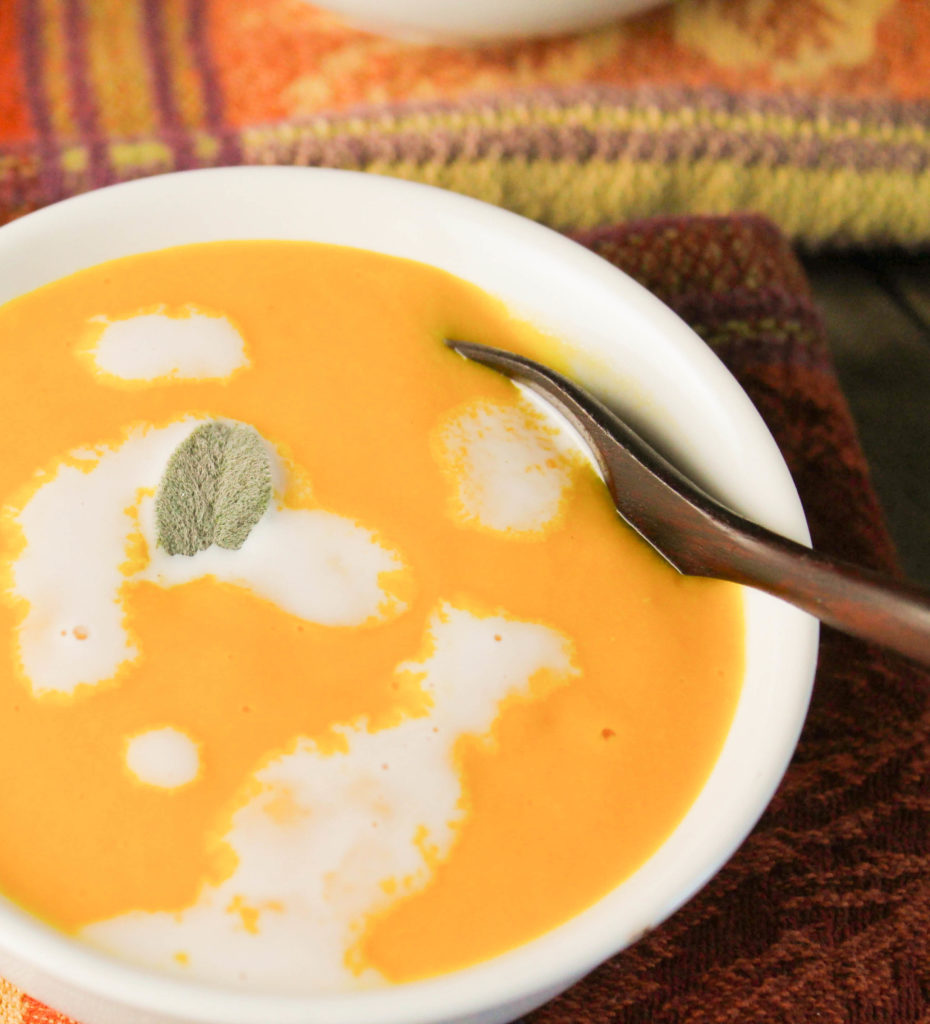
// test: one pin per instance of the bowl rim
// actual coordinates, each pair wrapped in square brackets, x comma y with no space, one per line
[552,961]
[481,22]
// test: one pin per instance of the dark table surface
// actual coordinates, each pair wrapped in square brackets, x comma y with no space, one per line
[876,308]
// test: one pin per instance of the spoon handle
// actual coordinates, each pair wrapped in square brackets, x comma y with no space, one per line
[701,537]
[852,599]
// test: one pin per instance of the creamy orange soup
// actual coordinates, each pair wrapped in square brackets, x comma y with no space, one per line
[423,700]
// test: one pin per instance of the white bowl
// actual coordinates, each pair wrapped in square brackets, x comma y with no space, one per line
[667,381]
[470,21]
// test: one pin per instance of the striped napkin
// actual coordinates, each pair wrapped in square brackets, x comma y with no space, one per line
[815,113]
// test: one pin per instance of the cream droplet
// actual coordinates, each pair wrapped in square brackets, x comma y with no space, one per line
[167,758]
[158,347]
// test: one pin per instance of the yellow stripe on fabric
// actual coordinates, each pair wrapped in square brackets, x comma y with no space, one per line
[74,159]
[55,74]
[206,148]
[651,120]
[185,76]
[817,124]
[11,1004]
[133,159]
[118,63]
[814,206]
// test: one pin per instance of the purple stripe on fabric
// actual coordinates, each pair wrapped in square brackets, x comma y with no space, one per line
[856,115]
[51,185]
[84,102]
[230,150]
[173,131]
[857,118]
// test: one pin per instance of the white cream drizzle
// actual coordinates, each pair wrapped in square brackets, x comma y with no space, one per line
[363,820]
[166,758]
[369,818]
[318,565]
[507,469]
[191,344]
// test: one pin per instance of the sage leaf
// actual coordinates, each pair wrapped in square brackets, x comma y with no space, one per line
[215,488]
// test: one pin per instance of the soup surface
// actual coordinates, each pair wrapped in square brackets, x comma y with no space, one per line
[325,661]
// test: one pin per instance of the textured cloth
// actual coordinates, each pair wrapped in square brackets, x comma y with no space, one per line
[823,915]
[815,113]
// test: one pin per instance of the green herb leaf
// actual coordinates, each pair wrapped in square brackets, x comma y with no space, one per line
[215,488]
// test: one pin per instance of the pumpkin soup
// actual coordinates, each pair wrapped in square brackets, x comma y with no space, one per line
[325,660]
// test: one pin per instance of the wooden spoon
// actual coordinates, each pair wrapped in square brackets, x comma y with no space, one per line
[700,537]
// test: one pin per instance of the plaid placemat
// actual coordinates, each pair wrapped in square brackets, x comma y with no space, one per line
[824,914]
[813,112]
